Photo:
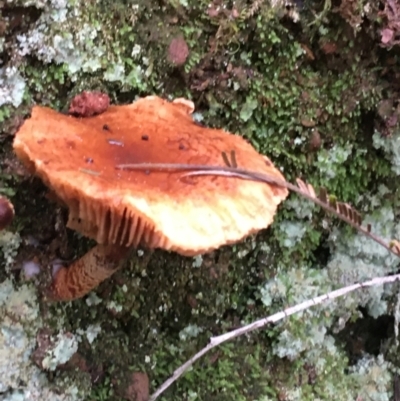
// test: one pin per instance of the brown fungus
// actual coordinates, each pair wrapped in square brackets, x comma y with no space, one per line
[89,104]
[122,208]
[178,51]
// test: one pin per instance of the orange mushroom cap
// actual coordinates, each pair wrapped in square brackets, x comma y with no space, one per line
[77,159]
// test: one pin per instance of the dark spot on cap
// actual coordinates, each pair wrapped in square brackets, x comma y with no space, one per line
[145,137]
[181,146]
[106,127]
[88,160]
[70,144]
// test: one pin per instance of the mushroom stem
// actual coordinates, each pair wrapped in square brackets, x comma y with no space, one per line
[88,272]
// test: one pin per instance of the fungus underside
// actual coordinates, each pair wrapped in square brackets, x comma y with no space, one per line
[327,202]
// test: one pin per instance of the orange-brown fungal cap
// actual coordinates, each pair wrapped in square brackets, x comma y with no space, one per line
[6,212]
[186,104]
[77,159]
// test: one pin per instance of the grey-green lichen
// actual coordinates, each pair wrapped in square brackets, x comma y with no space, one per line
[391,147]
[16,344]
[20,379]
[9,244]
[12,86]
[86,49]
[61,351]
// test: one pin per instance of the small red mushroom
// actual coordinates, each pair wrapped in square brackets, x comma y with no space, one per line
[178,51]
[89,104]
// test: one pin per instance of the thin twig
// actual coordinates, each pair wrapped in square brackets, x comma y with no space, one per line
[200,170]
[215,341]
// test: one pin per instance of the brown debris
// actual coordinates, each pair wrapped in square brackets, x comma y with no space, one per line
[349,10]
[6,212]
[315,140]
[178,51]
[388,116]
[329,47]
[77,361]
[307,122]
[44,342]
[88,104]
[138,390]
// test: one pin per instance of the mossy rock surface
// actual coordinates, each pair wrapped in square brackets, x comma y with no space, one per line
[313,85]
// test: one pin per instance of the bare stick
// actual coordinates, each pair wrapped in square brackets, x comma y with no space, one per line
[215,341]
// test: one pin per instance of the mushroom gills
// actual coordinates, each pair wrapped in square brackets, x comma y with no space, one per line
[88,272]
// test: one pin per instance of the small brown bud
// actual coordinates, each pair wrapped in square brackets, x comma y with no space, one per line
[178,51]
[6,212]
[89,104]
[315,140]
